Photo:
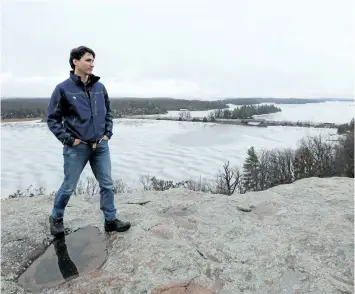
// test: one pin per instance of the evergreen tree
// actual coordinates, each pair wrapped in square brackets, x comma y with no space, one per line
[251,169]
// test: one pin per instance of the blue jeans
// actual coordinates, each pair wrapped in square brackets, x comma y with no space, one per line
[75,159]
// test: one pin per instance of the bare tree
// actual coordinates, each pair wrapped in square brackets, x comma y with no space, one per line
[89,187]
[145,180]
[266,171]
[200,185]
[287,168]
[92,187]
[314,158]
[228,180]
[120,187]
[276,167]
[161,185]
[344,156]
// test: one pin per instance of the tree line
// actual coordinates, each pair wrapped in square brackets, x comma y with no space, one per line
[346,128]
[17,108]
[245,111]
[263,169]
[315,157]
[37,107]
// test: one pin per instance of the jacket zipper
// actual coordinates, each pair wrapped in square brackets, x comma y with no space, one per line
[92,114]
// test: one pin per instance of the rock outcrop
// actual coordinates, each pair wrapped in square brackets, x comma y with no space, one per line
[296,238]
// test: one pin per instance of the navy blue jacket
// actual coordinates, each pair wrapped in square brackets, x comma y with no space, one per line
[79,111]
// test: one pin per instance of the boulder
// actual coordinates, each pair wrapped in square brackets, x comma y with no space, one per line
[295,238]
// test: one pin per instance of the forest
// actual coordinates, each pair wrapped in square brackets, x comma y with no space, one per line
[37,107]
[245,111]
[19,108]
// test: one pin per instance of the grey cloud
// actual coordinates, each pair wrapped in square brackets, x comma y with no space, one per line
[200,49]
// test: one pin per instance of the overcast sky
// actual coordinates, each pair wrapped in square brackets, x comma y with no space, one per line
[203,49]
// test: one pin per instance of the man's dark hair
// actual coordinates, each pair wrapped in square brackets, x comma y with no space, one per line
[79,52]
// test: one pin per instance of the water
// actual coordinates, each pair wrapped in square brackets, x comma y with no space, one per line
[31,155]
[79,253]
[332,112]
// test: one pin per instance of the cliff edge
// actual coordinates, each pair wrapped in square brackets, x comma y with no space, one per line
[296,238]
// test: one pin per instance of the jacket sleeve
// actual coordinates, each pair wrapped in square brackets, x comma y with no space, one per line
[108,118]
[54,118]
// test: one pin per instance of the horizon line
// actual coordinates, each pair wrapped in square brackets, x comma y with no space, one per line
[166,97]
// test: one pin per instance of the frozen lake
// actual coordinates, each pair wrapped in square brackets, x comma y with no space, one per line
[333,112]
[31,155]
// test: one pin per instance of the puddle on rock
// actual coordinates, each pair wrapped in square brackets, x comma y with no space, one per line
[79,253]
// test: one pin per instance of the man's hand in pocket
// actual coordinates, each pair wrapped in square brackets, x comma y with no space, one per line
[76,142]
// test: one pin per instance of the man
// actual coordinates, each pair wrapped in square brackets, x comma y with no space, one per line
[82,103]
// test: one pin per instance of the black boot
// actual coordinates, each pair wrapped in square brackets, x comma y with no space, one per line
[56,226]
[116,225]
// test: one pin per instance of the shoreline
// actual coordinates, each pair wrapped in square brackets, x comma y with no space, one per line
[20,119]
[252,122]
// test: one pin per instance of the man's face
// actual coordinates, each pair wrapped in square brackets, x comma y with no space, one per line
[86,64]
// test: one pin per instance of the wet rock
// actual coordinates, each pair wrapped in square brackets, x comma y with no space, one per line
[297,238]
[25,229]
[79,253]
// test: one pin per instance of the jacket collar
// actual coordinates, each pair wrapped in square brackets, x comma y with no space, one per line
[92,78]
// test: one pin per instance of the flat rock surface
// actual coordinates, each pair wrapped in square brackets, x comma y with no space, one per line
[296,238]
